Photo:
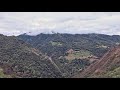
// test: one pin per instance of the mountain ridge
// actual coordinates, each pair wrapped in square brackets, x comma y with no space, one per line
[66,50]
[110,61]
[59,55]
[24,60]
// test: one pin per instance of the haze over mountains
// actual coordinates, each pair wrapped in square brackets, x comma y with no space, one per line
[59,45]
[33,23]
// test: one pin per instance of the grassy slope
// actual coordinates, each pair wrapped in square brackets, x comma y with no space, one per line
[82,54]
[2,75]
[111,74]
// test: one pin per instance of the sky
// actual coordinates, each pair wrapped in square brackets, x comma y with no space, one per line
[33,23]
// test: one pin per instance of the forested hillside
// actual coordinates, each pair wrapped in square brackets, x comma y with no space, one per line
[58,55]
[72,53]
[59,43]
[107,67]
[18,59]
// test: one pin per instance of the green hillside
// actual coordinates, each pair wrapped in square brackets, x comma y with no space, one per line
[22,60]
[86,49]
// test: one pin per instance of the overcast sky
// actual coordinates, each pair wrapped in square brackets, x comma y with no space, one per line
[16,23]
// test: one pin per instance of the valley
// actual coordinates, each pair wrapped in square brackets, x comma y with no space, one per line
[72,53]
[59,45]
[59,56]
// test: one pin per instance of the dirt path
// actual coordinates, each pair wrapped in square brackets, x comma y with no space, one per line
[54,64]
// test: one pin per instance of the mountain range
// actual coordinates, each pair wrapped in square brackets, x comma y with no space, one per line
[60,56]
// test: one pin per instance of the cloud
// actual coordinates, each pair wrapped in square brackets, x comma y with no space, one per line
[15,23]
